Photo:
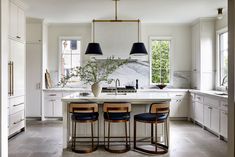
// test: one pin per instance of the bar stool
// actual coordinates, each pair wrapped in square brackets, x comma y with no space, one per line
[158,114]
[117,113]
[84,113]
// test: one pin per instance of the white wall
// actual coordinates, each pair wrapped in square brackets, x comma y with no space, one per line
[4,77]
[180,33]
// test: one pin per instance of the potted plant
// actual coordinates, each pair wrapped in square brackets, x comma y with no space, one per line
[95,72]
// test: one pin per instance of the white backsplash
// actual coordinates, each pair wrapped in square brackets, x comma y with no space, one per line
[127,74]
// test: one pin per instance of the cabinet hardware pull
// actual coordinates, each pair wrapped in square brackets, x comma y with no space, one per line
[18,104]
[225,105]
[52,94]
[18,37]
[178,95]
[18,121]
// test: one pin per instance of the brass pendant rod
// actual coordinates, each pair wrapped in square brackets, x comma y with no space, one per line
[116,20]
[116,10]
[138,31]
[93,25]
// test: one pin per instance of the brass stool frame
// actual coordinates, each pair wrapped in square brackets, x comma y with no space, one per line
[84,109]
[116,109]
[158,109]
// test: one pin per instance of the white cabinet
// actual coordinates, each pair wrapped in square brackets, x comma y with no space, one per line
[33,31]
[224,119]
[17,60]
[16,67]
[211,118]
[203,52]
[53,104]
[16,114]
[17,22]
[199,112]
[192,106]
[178,104]
[224,123]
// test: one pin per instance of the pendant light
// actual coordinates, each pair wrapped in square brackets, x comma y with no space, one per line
[138,48]
[93,48]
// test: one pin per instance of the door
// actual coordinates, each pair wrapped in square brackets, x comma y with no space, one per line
[17,56]
[49,107]
[33,79]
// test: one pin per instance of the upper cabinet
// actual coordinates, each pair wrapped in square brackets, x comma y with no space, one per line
[34,30]
[203,54]
[16,21]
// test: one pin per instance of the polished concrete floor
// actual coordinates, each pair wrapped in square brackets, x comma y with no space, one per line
[44,139]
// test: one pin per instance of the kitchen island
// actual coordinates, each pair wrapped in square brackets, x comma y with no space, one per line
[140,103]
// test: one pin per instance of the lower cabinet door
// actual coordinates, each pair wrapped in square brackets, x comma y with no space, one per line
[215,117]
[199,112]
[58,108]
[206,116]
[48,107]
[53,108]
[174,105]
[224,124]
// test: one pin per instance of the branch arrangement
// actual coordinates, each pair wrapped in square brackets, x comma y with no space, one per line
[94,71]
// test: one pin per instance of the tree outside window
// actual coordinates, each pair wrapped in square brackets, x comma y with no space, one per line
[223,59]
[160,61]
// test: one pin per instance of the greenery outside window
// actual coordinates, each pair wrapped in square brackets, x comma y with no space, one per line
[70,49]
[160,72]
[222,60]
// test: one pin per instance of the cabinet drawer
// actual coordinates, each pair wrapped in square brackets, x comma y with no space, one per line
[16,118]
[50,95]
[16,105]
[177,95]
[224,105]
[198,98]
[211,102]
[16,127]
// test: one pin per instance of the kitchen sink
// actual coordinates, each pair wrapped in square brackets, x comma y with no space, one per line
[221,93]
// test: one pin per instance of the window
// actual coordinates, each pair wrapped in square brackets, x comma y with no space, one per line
[160,61]
[70,55]
[223,59]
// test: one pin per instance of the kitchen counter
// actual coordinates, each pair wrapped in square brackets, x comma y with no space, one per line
[214,93]
[142,100]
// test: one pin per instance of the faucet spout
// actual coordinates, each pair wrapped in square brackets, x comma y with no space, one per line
[117,83]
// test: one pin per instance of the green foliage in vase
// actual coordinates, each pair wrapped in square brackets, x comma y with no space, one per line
[94,71]
[160,61]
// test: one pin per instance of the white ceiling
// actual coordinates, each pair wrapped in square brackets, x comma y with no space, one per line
[149,11]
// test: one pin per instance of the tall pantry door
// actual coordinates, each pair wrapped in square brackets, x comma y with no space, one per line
[33,79]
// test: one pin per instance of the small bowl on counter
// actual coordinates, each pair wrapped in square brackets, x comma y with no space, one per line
[161,86]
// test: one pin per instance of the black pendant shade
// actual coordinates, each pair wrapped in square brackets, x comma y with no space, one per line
[93,49]
[138,49]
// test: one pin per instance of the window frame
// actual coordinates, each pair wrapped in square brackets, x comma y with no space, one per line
[218,61]
[169,38]
[60,49]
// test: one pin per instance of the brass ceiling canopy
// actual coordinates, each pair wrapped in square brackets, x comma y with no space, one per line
[116,16]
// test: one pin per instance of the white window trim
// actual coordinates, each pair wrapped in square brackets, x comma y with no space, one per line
[60,49]
[170,57]
[218,32]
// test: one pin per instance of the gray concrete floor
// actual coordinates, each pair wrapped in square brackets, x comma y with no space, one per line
[44,139]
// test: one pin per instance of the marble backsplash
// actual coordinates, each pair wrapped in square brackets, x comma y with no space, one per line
[127,74]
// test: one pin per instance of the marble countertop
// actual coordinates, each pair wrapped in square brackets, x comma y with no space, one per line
[139,97]
[210,93]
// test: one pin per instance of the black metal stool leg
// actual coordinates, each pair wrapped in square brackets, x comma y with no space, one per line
[134,134]
[156,137]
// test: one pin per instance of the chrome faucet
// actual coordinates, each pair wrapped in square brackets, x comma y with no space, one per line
[117,83]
